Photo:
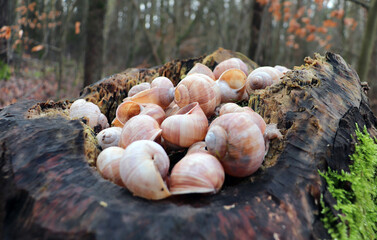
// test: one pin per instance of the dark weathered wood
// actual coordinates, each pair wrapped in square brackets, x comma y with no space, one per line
[50,191]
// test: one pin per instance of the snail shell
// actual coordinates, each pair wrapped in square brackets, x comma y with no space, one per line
[203,69]
[282,68]
[172,109]
[187,126]
[262,77]
[232,108]
[197,172]
[232,85]
[143,169]
[140,127]
[81,108]
[127,110]
[157,95]
[162,82]
[229,64]
[138,88]
[198,88]
[108,164]
[237,142]
[109,137]
[197,147]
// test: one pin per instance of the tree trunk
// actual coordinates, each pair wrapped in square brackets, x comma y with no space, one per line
[4,21]
[51,191]
[94,42]
[369,39]
[256,24]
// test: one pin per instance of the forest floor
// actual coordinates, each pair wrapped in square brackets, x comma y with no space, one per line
[35,81]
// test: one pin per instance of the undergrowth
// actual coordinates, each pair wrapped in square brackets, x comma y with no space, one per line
[355,193]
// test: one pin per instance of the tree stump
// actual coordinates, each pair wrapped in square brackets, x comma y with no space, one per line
[50,189]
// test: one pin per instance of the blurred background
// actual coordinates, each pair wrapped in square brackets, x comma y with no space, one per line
[50,49]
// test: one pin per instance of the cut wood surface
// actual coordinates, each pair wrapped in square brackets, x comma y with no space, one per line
[50,190]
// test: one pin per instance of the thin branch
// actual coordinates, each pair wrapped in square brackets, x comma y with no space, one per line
[361,3]
[149,38]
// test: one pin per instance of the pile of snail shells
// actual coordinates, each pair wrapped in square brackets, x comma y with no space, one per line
[158,117]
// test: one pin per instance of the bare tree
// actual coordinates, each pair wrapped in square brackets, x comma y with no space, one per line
[94,41]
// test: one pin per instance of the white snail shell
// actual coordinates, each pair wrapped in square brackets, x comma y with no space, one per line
[162,82]
[187,126]
[81,108]
[138,88]
[262,77]
[282,68]
[232,85]
[108,164]
[203,69]
[143,169]
[140,127]
[197,172]
[237,142]
[109,137]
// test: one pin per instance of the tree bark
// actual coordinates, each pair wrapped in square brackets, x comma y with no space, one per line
[49,189]
[369,40]
[4,21]
[256,24]
[94,42]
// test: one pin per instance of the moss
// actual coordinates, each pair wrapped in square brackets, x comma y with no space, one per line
[355,193]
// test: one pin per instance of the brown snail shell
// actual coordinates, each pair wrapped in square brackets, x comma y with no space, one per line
[236,140]
[143,169]
[203,69]
[187,126]
[198,88]
[230,64]
[140,127]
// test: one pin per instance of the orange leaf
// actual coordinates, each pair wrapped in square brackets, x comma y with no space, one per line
[310,37]
[37,48]
[337,13]
[322,30]
[328,37]
[311,28]
[77,27]
[32,6]
[329,23]
[5,32]
[300,12]
[328,46]
[305,20]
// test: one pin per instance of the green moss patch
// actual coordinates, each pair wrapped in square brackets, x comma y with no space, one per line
[355,193]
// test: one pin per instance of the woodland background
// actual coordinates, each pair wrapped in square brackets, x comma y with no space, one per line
[50,49]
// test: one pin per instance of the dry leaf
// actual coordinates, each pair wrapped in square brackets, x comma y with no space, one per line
[77,27]
[227,207]
[37,48]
